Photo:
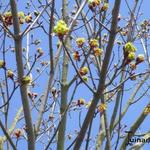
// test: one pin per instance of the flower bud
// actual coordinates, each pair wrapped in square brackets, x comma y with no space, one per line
[53,90]
[40,52]
[140,58]
[21,17]
[133,77]
[18,133]
[102,107]
[93,43]
[10,74]
[51,118]
[76,56]
[80,102]
[80,42]
[83,71]
[32,95]
[26,80]
[8,18]
[93,3]
[85,78]
[61,29]
[105,7]
[131,56]
[36,13]
[98,51]
[129,47]
[2,64]
[132,65]
[28,19]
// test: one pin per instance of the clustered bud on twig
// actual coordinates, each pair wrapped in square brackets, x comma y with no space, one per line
[130,58]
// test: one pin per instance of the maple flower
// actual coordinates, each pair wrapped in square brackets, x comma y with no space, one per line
[129,47]
[105,7]
[140,58]
[18,133]
[98,51]
[61,29]
[26,80]
[83,71]
[93,3]
[28,18]
[2,64]
[131,56]
[80,41]
[76,56]
[21,14]
[93,43]
[80,102]
[8,18]
[21,17]
[10,74]
[102,107]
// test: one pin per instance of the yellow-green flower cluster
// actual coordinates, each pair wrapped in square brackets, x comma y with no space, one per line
[139,59]
[7,17]
[102,107]
[80,41]
[10,74]
[2,64]
[131,56]
[21,17]
[61,28]
[93,3]
[97,51]
[93,43]
[28,18]
[129,47]
[80,102]
[26,80]
[129,51]
[76,56]
[105,7]
[83,71]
